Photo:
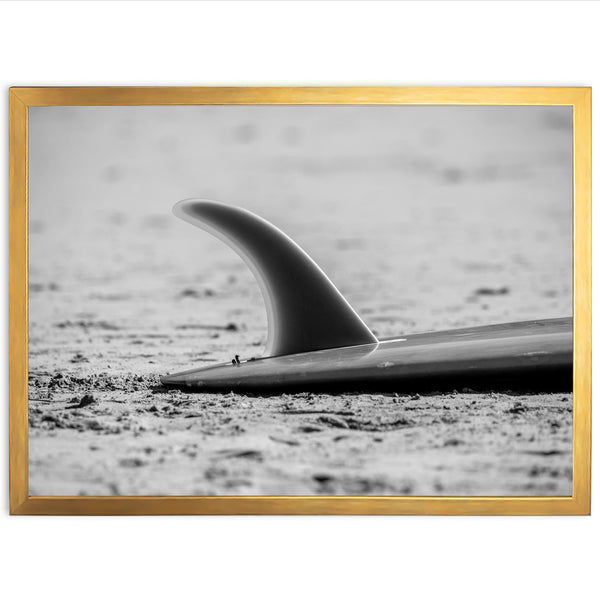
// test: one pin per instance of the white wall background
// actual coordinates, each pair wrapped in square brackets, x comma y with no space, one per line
[317,43]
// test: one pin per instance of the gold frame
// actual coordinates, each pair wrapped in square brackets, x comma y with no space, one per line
[21,98]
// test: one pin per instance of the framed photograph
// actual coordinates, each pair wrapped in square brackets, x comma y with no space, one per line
[300,300]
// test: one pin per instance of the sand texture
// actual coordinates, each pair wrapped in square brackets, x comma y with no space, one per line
[425,219]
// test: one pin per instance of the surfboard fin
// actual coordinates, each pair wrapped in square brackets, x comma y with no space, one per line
[305,311]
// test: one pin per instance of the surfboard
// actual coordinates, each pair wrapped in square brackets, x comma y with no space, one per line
[317,341]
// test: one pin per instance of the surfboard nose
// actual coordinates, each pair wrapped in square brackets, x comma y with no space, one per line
[192,377]
[222,373]
[175,379]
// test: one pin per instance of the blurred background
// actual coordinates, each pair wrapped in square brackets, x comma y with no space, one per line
[425,217]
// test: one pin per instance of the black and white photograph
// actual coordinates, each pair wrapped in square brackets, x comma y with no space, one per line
[301,300]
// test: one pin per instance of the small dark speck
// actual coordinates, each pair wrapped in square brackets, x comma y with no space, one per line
[517,408]
[453,442]
[131,462]
[86,400]
[487,291]
[79,358]
[248,454]
[189,293]
[323,478]
[309,429]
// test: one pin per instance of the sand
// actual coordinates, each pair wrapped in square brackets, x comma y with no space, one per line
[442,221]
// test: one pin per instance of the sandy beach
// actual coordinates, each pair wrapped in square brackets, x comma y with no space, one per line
[425,218]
